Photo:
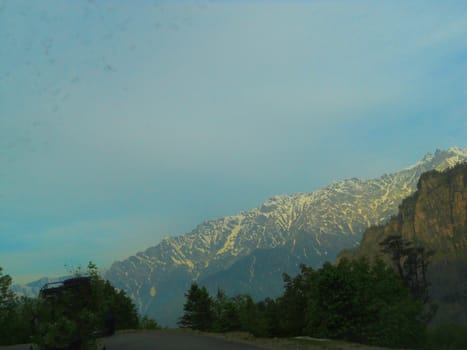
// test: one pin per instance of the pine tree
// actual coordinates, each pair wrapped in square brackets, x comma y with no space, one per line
[8,304]
[411,262]
[198,313]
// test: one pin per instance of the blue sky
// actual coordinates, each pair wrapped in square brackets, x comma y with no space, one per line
[122,122]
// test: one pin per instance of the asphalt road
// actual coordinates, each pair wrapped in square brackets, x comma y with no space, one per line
[162,340]
[171,341]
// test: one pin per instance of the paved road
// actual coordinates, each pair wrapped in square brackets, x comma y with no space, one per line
[161,340]
[171,341]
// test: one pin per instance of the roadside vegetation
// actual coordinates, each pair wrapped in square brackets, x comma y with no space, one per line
[354,301]
[99,310]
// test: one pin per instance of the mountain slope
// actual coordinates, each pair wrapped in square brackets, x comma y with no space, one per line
[284,231]
[434,217]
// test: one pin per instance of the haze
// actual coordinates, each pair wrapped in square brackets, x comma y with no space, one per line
[122,122]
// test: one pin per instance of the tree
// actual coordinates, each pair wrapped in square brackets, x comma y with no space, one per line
[270,316]
[7,297]
[362,302]
[225,313]
[411,263]
[198,313]
[146,322]
[113,308]
[292,303]
[77,308]
[8,303]
[354,300]
[80,308]
[248,315]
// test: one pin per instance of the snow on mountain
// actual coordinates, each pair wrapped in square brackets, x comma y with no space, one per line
[303,227]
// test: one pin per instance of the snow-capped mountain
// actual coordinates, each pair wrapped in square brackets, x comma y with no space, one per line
[249,252]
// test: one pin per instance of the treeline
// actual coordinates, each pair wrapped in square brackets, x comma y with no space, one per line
[86,313]
[355,300]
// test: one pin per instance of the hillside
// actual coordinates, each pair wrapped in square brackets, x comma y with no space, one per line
[248,252]
[434,217]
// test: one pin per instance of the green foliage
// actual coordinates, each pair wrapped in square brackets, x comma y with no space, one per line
[364,303]
[77,312]
[113,307]
[16,314]
[88,307]
[248,315]
[353,301]
[293,302]
[7,298]
[446,337]
[56,333]
[146,322]
[198,312]
[8,303]
[411,263]
[269,316]
[225,313]
[22,320]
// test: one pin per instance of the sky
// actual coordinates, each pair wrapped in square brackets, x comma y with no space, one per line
[123,122]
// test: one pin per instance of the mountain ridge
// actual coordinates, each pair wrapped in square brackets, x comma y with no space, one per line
[248,252]
[323,222]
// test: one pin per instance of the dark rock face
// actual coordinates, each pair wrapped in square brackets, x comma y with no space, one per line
[435,216]
[248,252]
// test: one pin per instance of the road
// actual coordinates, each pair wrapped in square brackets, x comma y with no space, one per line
[162,340]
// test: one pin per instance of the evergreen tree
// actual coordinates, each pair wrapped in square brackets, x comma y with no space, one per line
[411,263]
[7,297]
[268,318]
[366,303]
[353,300]
[8,302]
[225,313]
[81,308]
[147,322]
[198,312]
[248,315]
[293,302]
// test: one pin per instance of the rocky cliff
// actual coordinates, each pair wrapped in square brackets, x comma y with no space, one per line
[434,217]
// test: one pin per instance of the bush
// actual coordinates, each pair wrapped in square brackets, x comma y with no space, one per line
[146,322]
[446,337]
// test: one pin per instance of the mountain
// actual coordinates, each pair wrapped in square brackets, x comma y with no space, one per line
[248,252]
[434,217]
[32,289]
